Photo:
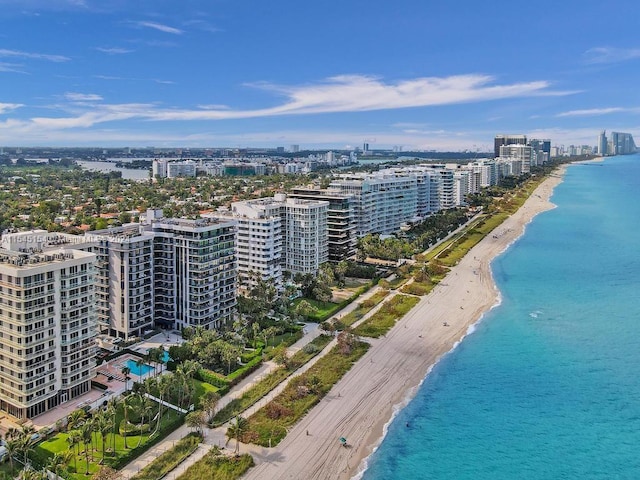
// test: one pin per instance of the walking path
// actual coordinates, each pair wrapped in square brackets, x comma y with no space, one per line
[217,436]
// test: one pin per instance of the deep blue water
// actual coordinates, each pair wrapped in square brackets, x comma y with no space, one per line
[548,386]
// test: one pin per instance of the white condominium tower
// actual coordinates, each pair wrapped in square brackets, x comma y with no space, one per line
[305,234]
[258,240]
[47,323]
[277,234]
[194,272]
[383,200]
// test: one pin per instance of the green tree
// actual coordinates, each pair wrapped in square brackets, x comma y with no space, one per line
[237,428]
[196,420]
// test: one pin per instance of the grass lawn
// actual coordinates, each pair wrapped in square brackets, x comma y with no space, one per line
[268,426]
[200,389]
[216,466]
[288,338]
[385,318]
[322,310]
[78,466]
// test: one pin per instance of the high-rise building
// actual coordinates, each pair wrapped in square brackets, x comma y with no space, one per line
[341,221]
[523,153]
[501,140]
[194,271]
[602,143]
[277,234]
[384,201]
[305,234]
[47,323]
[181,169]
[124,280]
[622,144]
[258,240]
[159,168]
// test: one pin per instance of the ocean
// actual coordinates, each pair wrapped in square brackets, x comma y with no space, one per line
[547,384]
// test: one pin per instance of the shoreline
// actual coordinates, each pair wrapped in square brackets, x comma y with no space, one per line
[363,403]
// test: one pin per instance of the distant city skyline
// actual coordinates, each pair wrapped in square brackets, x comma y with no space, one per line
[411,75]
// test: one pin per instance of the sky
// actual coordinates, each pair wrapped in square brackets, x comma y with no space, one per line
[420,74]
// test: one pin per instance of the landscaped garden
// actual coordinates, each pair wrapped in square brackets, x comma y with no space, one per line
[385,318]
[170,459]
[268,383]
[268,426]
[215,465]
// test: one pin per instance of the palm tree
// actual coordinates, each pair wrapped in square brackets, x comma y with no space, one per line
[13,447]
[126,403]
[155,355]
[73,439]
[209,402]
[25,442]
[75,419]
[59,461]
[164,384]
[237,430]
[86,434]
[139,364]
[112,410]
[196,420]
[103,426]
[126,371]
[146,410]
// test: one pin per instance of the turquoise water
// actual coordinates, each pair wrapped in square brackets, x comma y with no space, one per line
[547,387]
[165,357]
[138,370]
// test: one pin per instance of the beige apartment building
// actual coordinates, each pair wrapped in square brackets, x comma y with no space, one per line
[47,323]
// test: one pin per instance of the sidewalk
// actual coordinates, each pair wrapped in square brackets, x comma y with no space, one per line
[217,436]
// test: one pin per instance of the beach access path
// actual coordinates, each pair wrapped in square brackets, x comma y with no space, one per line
[363,401]
[217,436]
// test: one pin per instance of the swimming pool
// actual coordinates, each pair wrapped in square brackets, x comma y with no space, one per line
[141,370]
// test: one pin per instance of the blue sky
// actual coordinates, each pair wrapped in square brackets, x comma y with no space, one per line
[421,74]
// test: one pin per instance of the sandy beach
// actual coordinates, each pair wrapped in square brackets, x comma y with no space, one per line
[359,406]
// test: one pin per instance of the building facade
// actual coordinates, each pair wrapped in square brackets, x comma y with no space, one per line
[47,324]
[124,280]
[258,241]
[383,201]
[341,221]
[194,272]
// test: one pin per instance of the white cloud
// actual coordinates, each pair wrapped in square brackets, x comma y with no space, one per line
[113,50]
[354,93]
[11,67]
[82,97]
[347,93]
[202,25]
[591,112]
[610,55]
[160,27]
[108,77]
[7,107]
[36,56]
